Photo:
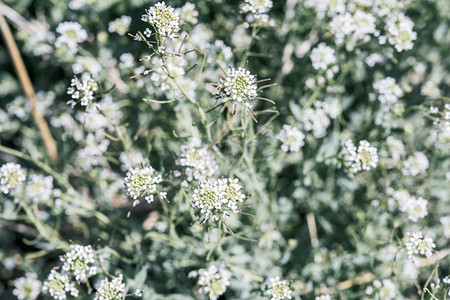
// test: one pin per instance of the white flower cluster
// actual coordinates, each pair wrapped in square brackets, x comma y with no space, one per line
[164,19]
[82,90]
[415,207]
[111,290]
[79,262]
[358,21]
[388,90]
[188,13]
[324,58]
[417,244]
[384,289]
[27,288]
[292,138]
[71,33]
[279,289]
[217,198]
[323,297]
[364,157]
[430,89]
[142,183]
[120,25]
[415,164]
[400,32]
[258,8]
[12,175]
[317,119]
[239,85]
[58,284]
[39,188]
[198,160]
[212,281]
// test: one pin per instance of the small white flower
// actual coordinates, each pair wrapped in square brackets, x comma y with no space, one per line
[430,89]
[364,157]
[58,284]
[142,183]
[198,160]
[82,90]
[400,33]
[417,244]
[388,90]
[322,56]
[27,288]
[164,19]
[39,188]
[279,289]
[292,138]
[217,198]
[71,34]
[212,281]
[111,290]
[238,85]
[79,262]
[415,164]
[12,175]
[120,25]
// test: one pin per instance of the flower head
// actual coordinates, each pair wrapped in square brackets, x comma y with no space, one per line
[364,157]
[120,25]
[417,244]
[279,289]
[82,90]
[239,86]
[388,90]
[58,284]
[39,188]
[142,183]
[163,18]
[11,176]
[27,288]
[111,290]
[292,138]
[79,262]
[217,198]
[198,160]
[415,164]
[322,56]
[212,281]
[71,33]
